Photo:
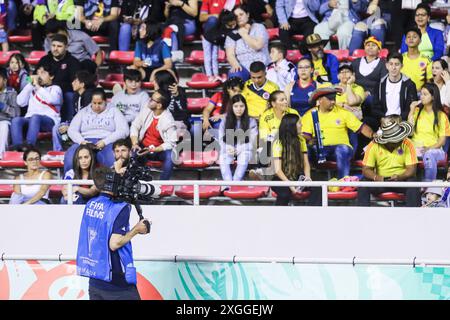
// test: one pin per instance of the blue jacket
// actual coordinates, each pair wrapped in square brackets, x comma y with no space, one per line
[284,9]
[437,41]
[331,64]
[355,9]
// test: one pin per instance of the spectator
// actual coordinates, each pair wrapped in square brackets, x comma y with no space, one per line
[153,133]
[3,26]
[44,100]
[83,168]
[82,85]
[65,66]
[237,137]
[334,124]
[25,13]
[180,15]
[50,11]
[290,160]
[11,17]
[215,31]
[257,90]
[99,125]
[325,64]
[390,157]
[122,153]
[100,17]
[218,104]
[432,45]
[247,44]
[80,45]
[261,11]
[35,193]
[374,25]
[151,54]
[395,92]
[132,99]
[133,14]
[441,78]
[296,17]
[18,71]
[429,134]
[350,98]
[280,71]
[298,92]
[269,125]
[339,18]
[8,109]
[415,65]
[168,84]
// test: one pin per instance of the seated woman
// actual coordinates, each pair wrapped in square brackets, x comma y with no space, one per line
[181,16]
[290,160]
[83,167]
[151,53]
[247,44]
[35,193]
[429,134]
[237,137]
[99,125]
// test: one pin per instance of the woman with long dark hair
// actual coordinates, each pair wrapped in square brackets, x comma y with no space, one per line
[83,168]
[429,123]
[237,138]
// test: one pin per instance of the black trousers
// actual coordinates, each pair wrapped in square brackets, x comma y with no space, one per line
[284,195]
[412,195]
[109,29]
[304,26]
[400,21]
[129,293]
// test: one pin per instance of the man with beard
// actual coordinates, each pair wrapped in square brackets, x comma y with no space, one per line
[325,64]
[65,66]
[122,153]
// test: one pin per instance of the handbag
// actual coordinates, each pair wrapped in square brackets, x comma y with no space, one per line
[410,4]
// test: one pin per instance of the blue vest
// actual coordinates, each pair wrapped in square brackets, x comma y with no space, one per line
[93,255]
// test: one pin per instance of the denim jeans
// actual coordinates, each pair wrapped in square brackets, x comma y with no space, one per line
[125,36]
[340,153]
[57,139]
[189,29]
[243,74]
[166,157]
[376,30]
[104,157]
[67,110]
[226,160]
[430,160]
[36,123]
[210,51]
[11,16]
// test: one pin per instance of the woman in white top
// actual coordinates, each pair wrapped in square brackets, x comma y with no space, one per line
[441,78]
[32,194]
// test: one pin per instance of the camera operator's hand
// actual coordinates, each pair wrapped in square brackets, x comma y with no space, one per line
[136,147]
[141,228]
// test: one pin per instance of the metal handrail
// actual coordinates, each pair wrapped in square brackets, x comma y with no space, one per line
[197,183]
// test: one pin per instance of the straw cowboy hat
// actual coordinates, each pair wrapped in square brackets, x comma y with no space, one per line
[393,131]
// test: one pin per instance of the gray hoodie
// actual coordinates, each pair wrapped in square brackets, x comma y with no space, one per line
[8,105]
[109,126]
[130,104]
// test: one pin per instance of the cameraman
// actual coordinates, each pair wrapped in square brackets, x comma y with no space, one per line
[104,248]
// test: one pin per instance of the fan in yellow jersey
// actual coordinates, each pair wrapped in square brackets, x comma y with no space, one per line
[257,90]
[390,157]
[416,66]
[429,123]
[334,124]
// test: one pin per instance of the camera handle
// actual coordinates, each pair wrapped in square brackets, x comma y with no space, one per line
[141,217]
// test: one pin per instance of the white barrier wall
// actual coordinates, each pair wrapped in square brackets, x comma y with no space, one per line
[226,231]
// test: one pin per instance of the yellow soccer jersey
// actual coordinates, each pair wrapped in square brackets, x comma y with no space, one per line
[257,97]
[425,133]
[269,123]
[418,70]
[277,147]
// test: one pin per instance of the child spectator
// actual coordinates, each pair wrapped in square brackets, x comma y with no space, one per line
[132,99]
[151,54]
[44,100]
[280,71]
[8,110]
[18,71]
[237,137]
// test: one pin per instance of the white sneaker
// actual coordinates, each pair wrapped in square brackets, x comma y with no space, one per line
[256,174]
[177,56]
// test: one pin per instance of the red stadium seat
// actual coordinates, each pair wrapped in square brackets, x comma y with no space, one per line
[340,195]
[100,39]
[390,196]
[274,33]
[197,57]
[293,55]
[384,53]
[359,53]
[200,81]
[34,57]
[53,159]
[166,191]
[297,196]
[196,105]
[111,79]
[56,191]
[121,57]
[6,190]
[148,85]
[12,159]
[438,13]
[328,165]
[358,163]
[244,192]
[4,56]
[196,159]
[190,38]
[20,36]
[44,135]
[298,37]
[205,192]
[341,55]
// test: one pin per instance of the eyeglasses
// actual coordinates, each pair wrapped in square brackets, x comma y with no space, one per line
[34,159]
[421,15]
[304,68]
[151,99]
